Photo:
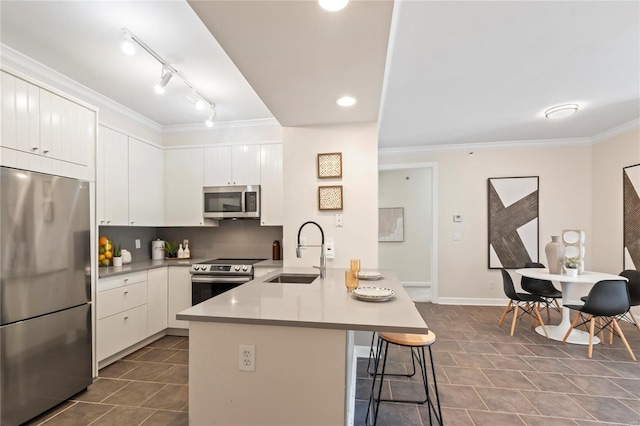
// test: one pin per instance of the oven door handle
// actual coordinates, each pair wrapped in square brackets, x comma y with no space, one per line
[209,279]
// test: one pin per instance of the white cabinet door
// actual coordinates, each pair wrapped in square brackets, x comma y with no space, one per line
[145,184]
[112,186]
[217,166]
[120,331]
[183,187]
[179,295]
[272,207]
[245,165]
[51,139]
[20,114]
[157,300]
[232,165]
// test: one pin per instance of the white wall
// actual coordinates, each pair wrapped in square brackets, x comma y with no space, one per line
[609,157]
[565,203]
[410,189]
[358,238]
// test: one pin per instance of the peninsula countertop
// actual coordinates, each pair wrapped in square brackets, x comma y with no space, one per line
[325,303]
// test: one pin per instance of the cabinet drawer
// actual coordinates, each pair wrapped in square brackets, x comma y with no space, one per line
[120,299]
[120,331]
[121,280]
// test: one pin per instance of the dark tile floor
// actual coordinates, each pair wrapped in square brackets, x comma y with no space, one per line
[486,377]
[148,387]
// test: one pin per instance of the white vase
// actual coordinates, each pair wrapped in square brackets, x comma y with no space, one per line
[555,253]
[571,272]
[117,261]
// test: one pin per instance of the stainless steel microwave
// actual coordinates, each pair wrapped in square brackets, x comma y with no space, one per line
[231,202]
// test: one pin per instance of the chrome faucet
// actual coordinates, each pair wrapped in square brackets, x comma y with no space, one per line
[323,257]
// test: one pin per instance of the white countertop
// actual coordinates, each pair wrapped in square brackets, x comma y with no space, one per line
[321,304]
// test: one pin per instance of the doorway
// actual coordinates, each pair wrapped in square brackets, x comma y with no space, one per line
[411,253]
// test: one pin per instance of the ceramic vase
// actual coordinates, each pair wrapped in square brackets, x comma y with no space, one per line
[555,254]
[117,261]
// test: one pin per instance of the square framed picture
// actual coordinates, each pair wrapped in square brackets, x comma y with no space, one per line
[330,197]
[513,221]
[391,224]
[330,165]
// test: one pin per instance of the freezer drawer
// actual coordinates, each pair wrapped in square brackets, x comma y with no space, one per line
[43,362]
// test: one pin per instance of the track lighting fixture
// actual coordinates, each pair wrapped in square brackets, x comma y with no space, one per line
[127,45]
[162,84]
[212,116]
[197,98]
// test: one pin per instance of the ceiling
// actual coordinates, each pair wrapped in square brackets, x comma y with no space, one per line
[433,73]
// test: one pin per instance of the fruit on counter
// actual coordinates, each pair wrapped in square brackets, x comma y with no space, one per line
[103,241]
[104,251]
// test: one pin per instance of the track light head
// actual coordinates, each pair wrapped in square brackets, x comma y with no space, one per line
[127,45]
[212,116]
[166,76]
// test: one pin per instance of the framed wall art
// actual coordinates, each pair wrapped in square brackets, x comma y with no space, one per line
[391,224]
[330,197]
[631,220]
[513,221]
[330,165]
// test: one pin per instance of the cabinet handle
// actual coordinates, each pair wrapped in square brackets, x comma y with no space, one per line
[228,183]
[126,279]
[35,148]
[126,318]
[46,151]
[102,221]
[126,292]
[132,223]
[108,221]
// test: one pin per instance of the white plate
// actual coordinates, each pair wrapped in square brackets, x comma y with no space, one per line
[373,294]
[370,275]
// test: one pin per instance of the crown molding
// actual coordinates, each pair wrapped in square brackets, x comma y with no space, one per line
[35,69]
[540,143]
[616,131]
[201,127]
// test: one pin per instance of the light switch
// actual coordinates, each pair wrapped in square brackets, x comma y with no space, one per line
[137,244]
[457,218]
[339,222]
[457,237]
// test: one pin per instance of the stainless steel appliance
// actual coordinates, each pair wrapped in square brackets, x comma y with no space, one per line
[231,202]
[45,292]
[214,277]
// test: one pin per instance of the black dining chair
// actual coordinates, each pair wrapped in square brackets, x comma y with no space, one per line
[634,295]
[543,288]
[529,304]
[607,300]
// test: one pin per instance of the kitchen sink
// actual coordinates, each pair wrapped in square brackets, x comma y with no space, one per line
[293,279]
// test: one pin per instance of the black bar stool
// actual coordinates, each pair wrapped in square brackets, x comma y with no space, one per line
[417,343]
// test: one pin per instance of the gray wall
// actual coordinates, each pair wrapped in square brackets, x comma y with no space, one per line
[239,239]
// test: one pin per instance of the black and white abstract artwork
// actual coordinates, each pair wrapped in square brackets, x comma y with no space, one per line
[513,221]
[631,208]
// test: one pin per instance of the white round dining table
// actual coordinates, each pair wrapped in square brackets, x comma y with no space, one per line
[557,332]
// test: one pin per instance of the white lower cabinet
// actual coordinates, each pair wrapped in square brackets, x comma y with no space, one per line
[179,295]
[157,297]
[119,331]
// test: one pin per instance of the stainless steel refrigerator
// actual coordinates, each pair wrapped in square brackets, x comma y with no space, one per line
[45,292]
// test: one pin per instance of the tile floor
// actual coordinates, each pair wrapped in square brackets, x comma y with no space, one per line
[148,387]
[485,377]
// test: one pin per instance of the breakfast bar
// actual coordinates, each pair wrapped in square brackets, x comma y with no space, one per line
[300,342]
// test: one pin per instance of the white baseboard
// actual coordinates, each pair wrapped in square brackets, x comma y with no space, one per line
[469,301]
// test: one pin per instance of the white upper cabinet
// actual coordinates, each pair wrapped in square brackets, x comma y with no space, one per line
[183,187]
[272,208]
[46,132]
[112,183]
[146,177]
[232,165]
[20,114]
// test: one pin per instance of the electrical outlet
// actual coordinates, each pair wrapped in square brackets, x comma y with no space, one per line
[339,220]
[329,249]
[137,244]
[247,358]
[491,284]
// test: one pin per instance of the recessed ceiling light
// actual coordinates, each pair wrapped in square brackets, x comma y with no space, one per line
[333,5]
[346,101]
[561,111]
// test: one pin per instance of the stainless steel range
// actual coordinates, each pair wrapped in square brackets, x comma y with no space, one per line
[214,277]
